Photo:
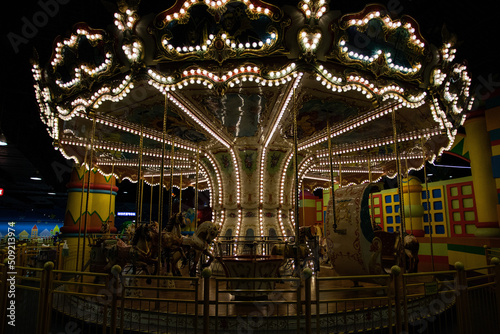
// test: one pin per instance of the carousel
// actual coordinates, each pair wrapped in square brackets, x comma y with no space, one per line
[253,103]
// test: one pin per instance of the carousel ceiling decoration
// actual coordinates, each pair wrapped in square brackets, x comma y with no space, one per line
[217,29]
[376,40]
[216,86]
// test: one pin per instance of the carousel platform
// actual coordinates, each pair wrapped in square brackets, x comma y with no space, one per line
[185,305]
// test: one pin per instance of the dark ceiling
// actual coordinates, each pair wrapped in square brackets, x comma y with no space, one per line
[30,153]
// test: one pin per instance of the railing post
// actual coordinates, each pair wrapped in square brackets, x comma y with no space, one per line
[389,304]
[396,278]
[19,255]
[496,262]
[3,296]
[206,274]
[486,254]
[462,302]
[307,275]
[318,306]
[44,299]
[116,271]
[105,306]
[195,282]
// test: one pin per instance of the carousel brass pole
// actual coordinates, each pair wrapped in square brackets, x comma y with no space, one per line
[409,197]
[138,204]
[162,180]
[427,195]
[81,209]
[151,201]
[141,202]
[400,194]
[160,196]
[196,186]
[171,187]
[369,169]
[180,194]
[110,195]
[340,170]
[296,190]
[371,194]
[88,188]
[398,172]
[332,183]
[401,197]
[303,205]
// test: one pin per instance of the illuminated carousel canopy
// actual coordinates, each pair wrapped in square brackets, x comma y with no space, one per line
[220,82]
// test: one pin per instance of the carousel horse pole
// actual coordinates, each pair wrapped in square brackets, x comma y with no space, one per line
[296,187]
[139,193]
[162,180]
[151,200]
[427,195]
[398,171]
[110,200]
[87,199]
[196,186]
[81,210]
[332,181]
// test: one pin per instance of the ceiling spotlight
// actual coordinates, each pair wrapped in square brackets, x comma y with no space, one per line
[3,140]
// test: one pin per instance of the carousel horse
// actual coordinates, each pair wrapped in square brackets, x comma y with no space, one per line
[411,247]
[323,253]
[129,232]
[354,247]
[176,223]
[306,249]
[287,249]
[199,244]
[173,248]
[140,253]
[174,245]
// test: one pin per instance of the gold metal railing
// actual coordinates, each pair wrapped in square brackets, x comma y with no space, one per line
[463,301]
[253,305]
[371,303]
[491,253]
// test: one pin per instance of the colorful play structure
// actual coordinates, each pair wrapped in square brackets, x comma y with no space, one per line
[454,220]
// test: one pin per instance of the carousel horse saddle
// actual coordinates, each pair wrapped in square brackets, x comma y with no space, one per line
[170,240]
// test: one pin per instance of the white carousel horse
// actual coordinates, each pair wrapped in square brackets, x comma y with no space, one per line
[199,244]
[353,247]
